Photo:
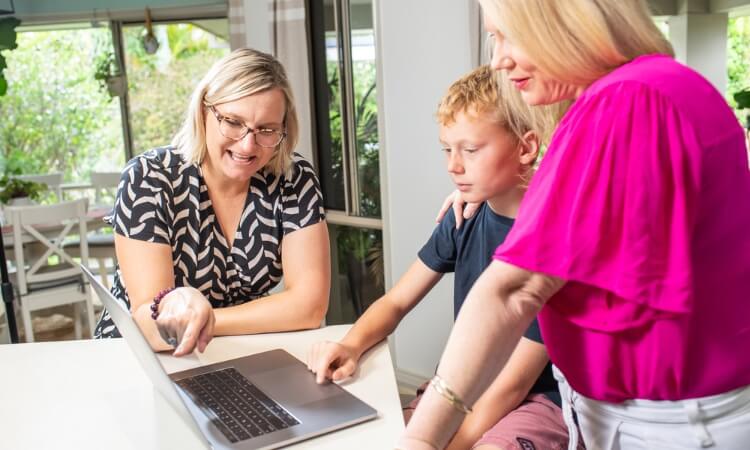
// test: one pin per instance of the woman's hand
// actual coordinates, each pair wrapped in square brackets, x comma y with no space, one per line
[461,209]
[332,361]
[186,320]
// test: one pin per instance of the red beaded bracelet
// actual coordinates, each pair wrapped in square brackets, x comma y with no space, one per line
[157,300]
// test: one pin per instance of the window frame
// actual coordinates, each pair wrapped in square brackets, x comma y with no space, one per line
[350,214]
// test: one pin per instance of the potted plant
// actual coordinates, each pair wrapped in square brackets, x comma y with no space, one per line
[14,191]
[109,76]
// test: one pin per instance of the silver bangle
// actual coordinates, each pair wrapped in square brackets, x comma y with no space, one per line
[442,388]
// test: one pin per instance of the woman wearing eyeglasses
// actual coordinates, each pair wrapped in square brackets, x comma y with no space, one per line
[199,225]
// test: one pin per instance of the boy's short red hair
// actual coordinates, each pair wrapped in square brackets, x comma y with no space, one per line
[475,93]
[486,93]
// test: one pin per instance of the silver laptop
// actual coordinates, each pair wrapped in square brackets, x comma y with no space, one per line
[262,401]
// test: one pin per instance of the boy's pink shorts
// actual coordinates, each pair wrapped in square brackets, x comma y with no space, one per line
[536,424]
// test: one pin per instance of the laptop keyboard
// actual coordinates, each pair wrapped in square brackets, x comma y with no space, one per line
[237,407]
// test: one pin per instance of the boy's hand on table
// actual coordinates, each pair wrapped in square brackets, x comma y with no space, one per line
[332,361]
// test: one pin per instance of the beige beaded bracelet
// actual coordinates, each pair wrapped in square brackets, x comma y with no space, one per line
[442,388]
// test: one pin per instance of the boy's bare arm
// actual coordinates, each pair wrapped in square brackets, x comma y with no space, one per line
[383,316]
[504,395]
[380,319]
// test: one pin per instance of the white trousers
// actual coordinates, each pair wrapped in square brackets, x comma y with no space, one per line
[717,422]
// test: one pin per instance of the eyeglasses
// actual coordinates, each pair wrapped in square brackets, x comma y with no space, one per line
[236,130]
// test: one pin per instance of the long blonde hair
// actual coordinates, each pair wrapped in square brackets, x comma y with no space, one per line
[578,41]
[241,73]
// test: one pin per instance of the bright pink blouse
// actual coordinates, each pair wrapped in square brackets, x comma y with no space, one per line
[642,204]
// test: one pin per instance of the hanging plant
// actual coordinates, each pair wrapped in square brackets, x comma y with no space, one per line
[7,42]
[109,76]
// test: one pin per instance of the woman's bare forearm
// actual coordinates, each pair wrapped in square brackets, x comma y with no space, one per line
[285,311]
[499,308]
[505,394]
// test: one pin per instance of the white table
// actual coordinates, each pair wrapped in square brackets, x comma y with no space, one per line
[93,395]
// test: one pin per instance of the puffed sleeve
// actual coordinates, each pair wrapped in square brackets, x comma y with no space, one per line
[140,204]
[613,203]
[302,199]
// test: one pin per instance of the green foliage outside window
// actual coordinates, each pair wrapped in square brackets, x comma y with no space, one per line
[364,245]
[738,66]
[160,85]
[368,148]
[366,126]
[57,118]
[54,118]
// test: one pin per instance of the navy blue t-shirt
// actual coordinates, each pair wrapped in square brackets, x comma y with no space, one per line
[467,252]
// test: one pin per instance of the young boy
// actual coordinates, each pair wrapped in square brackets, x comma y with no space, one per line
[490,150]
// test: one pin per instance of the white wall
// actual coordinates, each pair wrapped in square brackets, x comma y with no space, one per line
[700,41]
[423,46]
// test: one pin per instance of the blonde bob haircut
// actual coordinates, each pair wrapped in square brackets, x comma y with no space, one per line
[241,73]
[487,94]
[578,41]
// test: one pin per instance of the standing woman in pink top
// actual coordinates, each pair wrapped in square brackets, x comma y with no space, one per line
[632,243]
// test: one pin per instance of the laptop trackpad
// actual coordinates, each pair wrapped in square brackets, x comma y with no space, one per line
[293,385]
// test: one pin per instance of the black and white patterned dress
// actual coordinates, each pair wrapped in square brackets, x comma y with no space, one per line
[163,199]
